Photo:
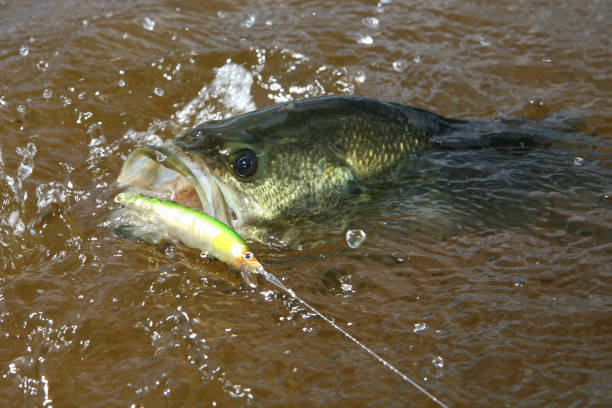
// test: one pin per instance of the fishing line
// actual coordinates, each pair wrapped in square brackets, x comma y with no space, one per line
[273,280]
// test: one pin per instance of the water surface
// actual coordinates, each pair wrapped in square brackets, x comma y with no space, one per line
[485,274]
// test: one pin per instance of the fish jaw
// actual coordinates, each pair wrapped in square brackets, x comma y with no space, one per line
[169,173]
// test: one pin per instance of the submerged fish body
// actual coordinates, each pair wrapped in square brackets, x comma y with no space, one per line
[300,156]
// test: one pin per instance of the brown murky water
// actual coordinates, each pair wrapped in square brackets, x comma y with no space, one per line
[510,309]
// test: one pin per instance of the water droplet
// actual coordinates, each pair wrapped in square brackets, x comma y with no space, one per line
[366,40]
[15,222]
[27,162]
[158,91]
[578,161]
[23,50]
[483,41]
[121,83]
[419,327]
[47,93]
[536,101]
[354,238]
[248,23]
[346,287]
[371,22]
[42,65]
[438,361]
[148,24]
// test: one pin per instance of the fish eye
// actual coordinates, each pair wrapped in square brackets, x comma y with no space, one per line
[245,163]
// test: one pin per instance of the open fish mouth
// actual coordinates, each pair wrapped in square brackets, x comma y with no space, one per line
[169,173]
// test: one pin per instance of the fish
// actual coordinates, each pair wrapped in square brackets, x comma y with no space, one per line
[299,157]
[197,230]
[280,160]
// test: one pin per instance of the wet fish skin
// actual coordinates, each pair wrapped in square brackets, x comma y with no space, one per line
[312,152]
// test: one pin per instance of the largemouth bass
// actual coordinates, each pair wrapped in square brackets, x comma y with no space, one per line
[294,157]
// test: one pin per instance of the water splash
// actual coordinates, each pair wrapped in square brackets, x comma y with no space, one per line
[274,280]
[231,87]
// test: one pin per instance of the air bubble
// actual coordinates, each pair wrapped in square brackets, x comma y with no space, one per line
[121,83]
[47,93]
[158,91]
[23,50]
[354,238]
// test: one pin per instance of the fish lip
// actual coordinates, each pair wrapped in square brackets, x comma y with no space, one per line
[145,168]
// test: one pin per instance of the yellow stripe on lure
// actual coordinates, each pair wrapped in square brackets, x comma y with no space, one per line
[198,230]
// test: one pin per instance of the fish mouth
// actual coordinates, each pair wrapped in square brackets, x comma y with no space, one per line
[172,174]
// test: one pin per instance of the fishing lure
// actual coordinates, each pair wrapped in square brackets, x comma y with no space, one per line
[198,230]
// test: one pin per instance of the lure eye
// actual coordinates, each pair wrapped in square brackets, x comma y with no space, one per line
[245,163]
[247,256]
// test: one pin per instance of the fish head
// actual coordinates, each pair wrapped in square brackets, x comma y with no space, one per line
[238,173]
